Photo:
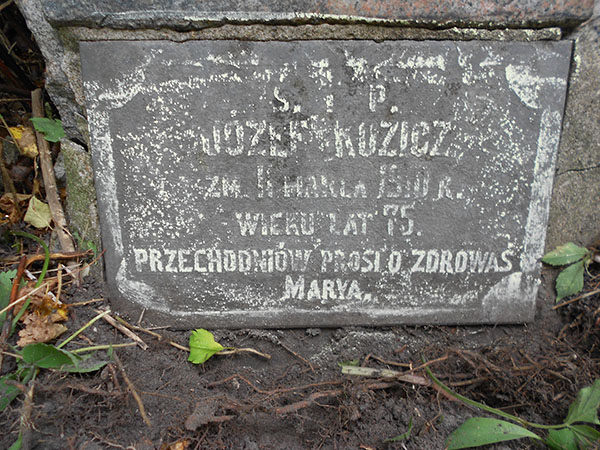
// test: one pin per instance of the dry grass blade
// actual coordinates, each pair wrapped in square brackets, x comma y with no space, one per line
[385,373]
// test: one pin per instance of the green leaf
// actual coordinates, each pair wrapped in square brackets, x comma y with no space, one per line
[8,392]
[565,254]
[17,444]
[85,244]
[585,406]
[202,346]
[38,213]
[569,281]
[47,356]
[563,439]
[85,365]
[404,435]
[52,129]
[482,431]
[6,281]
[586,436]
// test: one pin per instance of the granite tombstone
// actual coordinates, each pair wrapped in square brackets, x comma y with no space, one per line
[325,183]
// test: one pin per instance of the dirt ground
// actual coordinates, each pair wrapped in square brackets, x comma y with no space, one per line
[299,398]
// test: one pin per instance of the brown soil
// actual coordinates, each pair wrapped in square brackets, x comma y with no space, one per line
[299,399]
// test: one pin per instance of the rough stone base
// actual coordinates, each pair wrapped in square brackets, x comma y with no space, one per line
[575,207]
[81,199]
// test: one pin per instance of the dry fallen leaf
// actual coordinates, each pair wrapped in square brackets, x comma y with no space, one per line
[25,137]
[7,204]
[47,306]
[39,329]
[38,213]
[179,445]
[41,322]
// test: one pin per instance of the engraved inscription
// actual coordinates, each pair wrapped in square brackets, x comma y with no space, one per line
[325,183]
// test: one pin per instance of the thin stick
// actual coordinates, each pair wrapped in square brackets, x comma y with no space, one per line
[428,363]
[136,396]
[106,442]
[14,355]
[143,330]
[9,100]
[187,349]
[311,399]
[87,302]
[243,350]
[151,333]
[139,321]
[41,257]
[56,209]
[20,299]
[11,135]
[126,331]
[568,302]
[180,347]
[301,358]
[385,361]
[26,425]
[78,387]
[5,4]
[59,278]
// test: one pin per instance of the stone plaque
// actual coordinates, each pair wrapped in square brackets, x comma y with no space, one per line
[324,183]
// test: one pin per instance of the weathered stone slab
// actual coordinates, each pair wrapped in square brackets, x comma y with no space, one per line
[186,14]
[325,183]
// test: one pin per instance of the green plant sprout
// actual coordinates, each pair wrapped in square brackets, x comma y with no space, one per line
[203,346]
[34,357]
[570,279]
[45,356]
[575,433]
[404,436]
[85,244]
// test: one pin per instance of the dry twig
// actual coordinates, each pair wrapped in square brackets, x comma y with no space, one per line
[26,425]
[579,297]
[186,349]
[77,387]
[300,357]
[126,331]
[136,396]
[311,399]
[58,215]
[243,350]
[386,373]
